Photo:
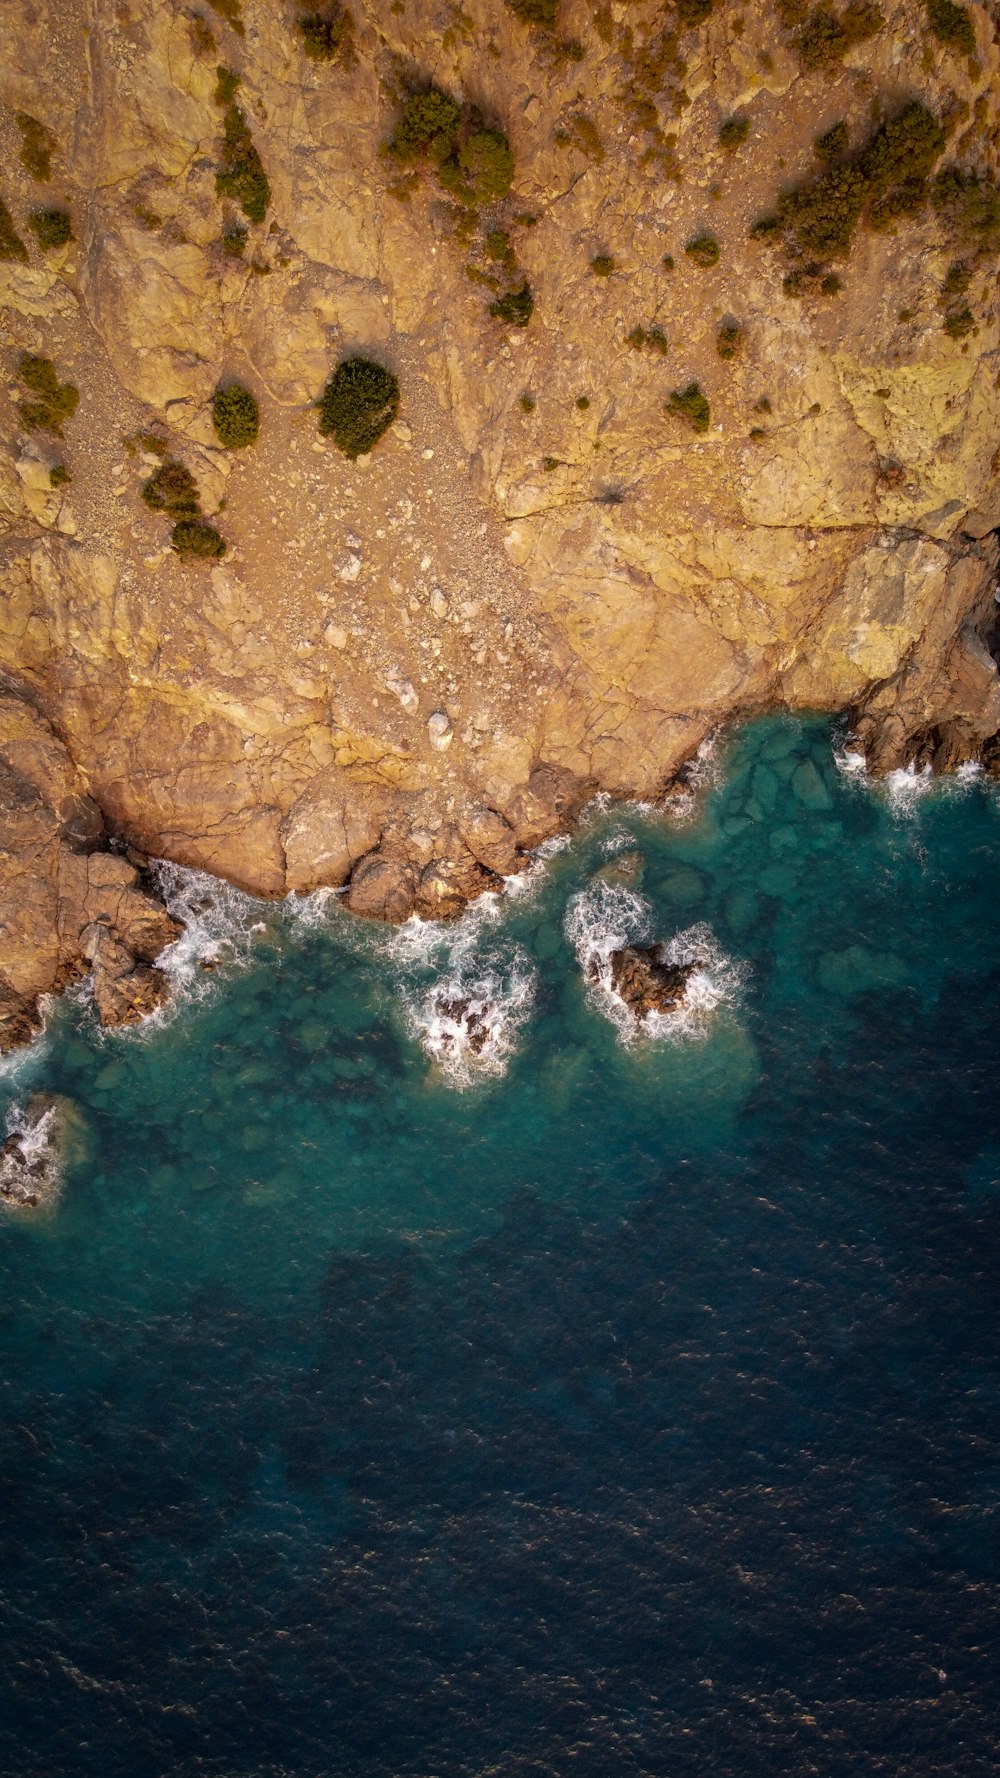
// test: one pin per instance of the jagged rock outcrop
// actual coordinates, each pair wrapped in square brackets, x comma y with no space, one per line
[48,1136]
[65,905]
[577,582]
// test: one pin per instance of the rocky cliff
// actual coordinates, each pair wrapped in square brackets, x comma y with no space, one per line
[694,315]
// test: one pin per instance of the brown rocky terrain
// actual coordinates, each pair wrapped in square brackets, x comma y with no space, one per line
[410,667]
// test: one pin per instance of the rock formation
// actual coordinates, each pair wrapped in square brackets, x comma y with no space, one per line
[645,981]
[654,466]
[48,1136]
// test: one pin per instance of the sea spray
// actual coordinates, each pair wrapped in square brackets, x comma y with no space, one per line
[607,916]
[466,990]
[220,924]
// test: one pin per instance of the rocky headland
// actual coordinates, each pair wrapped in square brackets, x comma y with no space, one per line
[692,311]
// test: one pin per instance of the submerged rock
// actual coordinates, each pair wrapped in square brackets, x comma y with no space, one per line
[50,1134]
[468,1016]
[645,981]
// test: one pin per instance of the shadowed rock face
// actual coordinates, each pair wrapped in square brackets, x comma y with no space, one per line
[65,906]
[411,667]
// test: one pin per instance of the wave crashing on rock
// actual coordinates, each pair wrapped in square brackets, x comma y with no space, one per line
[666,989]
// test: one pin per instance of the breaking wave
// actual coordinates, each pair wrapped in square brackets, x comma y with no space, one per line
[220,925]
[466,991]
[604,917]
[904,789]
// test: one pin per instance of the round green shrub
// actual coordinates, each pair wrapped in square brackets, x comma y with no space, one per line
[235,416]
[691,406]
[193,537]
[487,165]
[51,228]
[703,250]
[428,126]
[323,33]
[516,306]
[55,401]
[171,488]
[734,131]
[952,25]
[602,265]
[359,403]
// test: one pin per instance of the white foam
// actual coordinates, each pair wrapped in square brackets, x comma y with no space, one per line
[34,1136]
[527,881]
[468,1023]
[219,925]
[906,786]
[606,916]
[305,913]
[851,764]
[459,980]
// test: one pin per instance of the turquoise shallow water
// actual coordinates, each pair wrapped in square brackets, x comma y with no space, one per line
[628,1409]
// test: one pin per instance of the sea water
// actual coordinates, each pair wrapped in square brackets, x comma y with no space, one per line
[601,1402]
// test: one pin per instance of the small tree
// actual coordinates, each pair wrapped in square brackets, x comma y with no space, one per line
[235,416]
[171,488]
[691,406]
[194,537]
[358,405]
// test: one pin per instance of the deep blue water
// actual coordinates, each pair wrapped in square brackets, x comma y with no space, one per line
[633,1411]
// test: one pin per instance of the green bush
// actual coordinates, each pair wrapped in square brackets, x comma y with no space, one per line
[602,265]
[54,401]
[59,475]
[691,406]
[583,402]
[194,537]
[694,12]
[497,244]
[242,176]
[958,279]
[733,131]
[51,228]
[11,245]
[527,403]
[487,165]
[729,340]
[888,178]
[952,25]
[235,416]
[232,12]
[653,337]
[359,403]
[703,250]
[832,145]
[234,239]
[172,488]
[811,280]
[226,84]
[428,126]
[535,12]
[325,33]
[969,203]
[959,323]
[515,306]
[37,146]
[825,37]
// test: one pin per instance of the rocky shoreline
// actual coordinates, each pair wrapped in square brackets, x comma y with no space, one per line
[649,466]
[77,901]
